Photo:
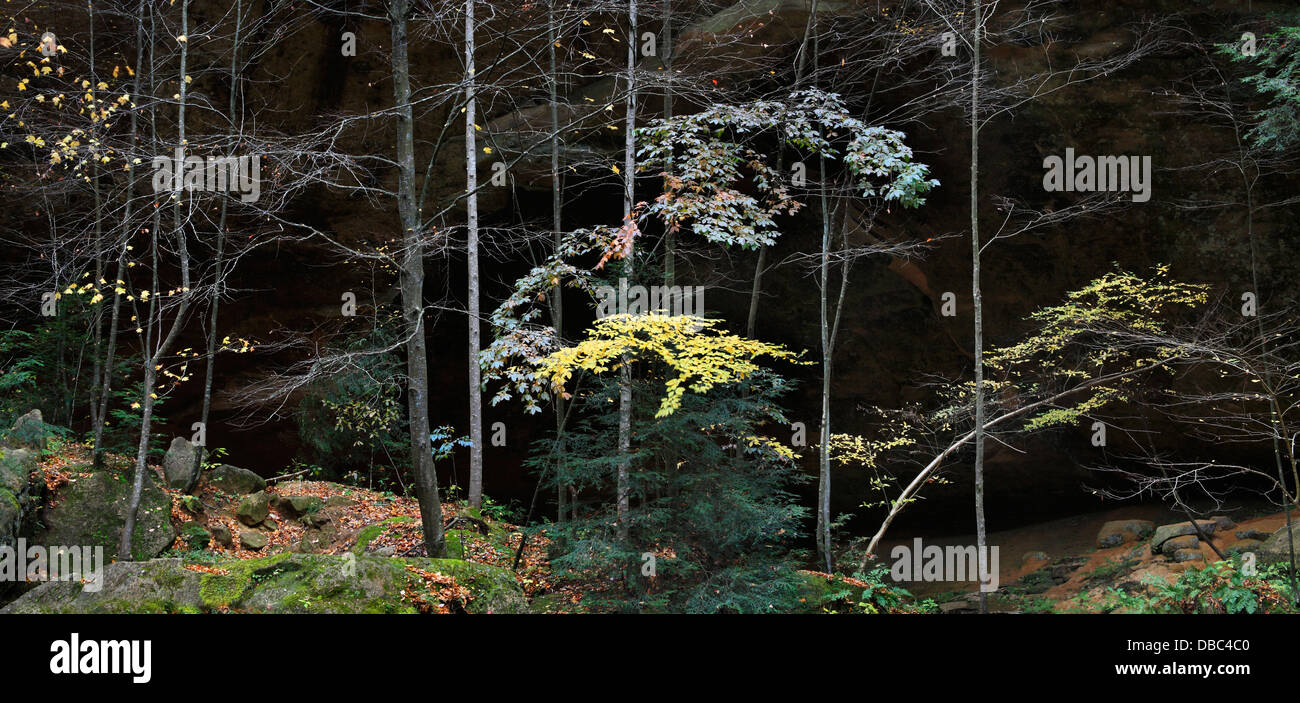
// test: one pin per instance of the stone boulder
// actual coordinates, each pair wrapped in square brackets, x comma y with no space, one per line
[252,539]
[317,520]
[339,502]
[28,432]
[178,464]
[316,540]
[1258,535]
[1182,555]
[1164,533]
[1176,544]
[1117,532]
[91,511]
[1223,523]
[1245,545]
[233,479]
[221,535]
[195,536]
[20,495]
[281,583]
[254,508]
[299,506]
[1275,549]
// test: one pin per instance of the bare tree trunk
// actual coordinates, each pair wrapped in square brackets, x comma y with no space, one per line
[471,248]
[127,227]
[1279,418]
[149,355]
[629,185]
[670,237]
[218,277]
[97,316]
[412,283]
[556,301]
[981,539]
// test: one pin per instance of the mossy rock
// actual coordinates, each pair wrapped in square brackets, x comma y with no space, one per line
[1276,550]
[195,536]
[283,583]
[221,535]
[339,502]
[155,586]
[20,494]
[29,431]
[181,466]
[11,518]
[455,543]
[370,533]
[233,479]
[254,508]
[193,504]
[299,506]
[92,511]
[16,467]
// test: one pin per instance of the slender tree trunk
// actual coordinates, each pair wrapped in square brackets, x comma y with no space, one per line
[152,355]
[670,237]
[97,316]
[556,301]
[1278,426]
[127,233]
[827,345]
[981,538]
[827,338]
[471,247]
[629,185]
[219,276]
[412,283]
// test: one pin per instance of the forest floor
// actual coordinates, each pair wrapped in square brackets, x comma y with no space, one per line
[1053,566]
[1057,566]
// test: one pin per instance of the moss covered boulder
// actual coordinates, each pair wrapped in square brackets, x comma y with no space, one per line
[233,479]
[19,495]
[155,586]
[283,583]
[1278,547]
[91,511]
[1117,532]
[181,463]
[370,533]
[253,509]
[28,432]
[299,506]
[195,536]
[16,466]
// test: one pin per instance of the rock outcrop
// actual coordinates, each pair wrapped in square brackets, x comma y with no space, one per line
[1117,532]
[233,479]
[179,464]
[21,490]
[28,432]
[1275,549]
[91,511]
[282,583]
[254,508]
[1164,533]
